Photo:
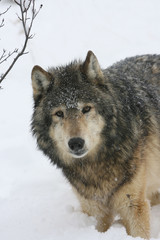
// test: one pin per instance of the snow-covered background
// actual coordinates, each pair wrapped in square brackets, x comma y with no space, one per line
[36,202]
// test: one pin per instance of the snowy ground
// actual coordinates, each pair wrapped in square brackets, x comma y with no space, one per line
[36,202]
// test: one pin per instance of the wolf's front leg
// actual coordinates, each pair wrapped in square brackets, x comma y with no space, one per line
[104,221]
[134,210]
[103,215]
[136,218]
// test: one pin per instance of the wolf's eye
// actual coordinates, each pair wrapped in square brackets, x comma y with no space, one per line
[86,109]
[59,114]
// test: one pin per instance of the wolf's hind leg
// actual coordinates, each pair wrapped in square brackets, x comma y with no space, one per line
[155,198]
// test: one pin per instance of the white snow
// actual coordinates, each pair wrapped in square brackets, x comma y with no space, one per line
[36,202]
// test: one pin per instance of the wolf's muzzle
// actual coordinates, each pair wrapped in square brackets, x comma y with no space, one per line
[76,146]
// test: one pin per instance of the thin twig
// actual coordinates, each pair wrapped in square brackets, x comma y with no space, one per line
[4,57]
[2,21]
[5,11]
[3,54]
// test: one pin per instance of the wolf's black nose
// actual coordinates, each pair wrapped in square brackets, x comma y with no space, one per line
[76,144]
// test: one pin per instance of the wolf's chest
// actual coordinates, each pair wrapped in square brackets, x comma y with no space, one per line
[95,182]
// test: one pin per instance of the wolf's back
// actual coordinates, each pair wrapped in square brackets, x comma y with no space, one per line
[143,69]
[135,84]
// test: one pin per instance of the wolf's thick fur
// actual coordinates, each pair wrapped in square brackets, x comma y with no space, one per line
[102,128]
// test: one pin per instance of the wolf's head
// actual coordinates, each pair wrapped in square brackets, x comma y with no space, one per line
[68,119]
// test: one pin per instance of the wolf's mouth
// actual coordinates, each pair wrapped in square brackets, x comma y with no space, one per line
[79,154]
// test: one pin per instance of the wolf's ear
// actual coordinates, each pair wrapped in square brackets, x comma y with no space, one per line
[92,68]
[40,80]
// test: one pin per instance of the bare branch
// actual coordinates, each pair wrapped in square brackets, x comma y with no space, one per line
[27,23]
[17,2]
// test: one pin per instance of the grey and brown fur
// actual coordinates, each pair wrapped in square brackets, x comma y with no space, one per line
[102,128]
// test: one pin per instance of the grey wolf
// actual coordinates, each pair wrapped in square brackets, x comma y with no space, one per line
[102,128]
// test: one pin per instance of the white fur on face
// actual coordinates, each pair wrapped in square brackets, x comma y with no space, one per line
[87,126]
